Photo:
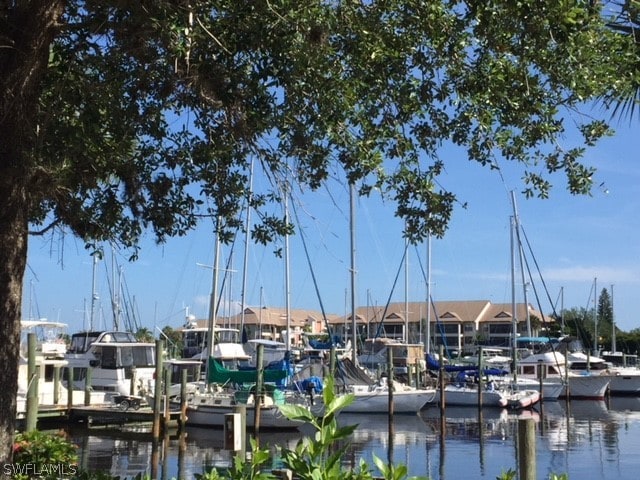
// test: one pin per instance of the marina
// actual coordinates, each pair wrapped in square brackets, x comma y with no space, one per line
[582,438]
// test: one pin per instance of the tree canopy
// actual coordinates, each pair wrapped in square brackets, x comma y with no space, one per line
[118,116]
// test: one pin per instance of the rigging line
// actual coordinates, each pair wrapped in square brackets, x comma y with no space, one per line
[537,269]
[313,276]
[395,282]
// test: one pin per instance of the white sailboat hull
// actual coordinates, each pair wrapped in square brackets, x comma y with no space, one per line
[377,400]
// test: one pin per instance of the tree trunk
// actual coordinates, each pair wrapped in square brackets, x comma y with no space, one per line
[13,259]
[27,30]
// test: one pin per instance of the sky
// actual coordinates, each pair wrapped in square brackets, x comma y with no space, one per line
[578,242]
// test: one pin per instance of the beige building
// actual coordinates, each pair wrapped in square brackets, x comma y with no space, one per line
[458,323]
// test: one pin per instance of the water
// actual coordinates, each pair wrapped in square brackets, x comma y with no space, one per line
[585,439]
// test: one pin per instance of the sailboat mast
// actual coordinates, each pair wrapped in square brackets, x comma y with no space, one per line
[352,236]
[286,270]
[428,328]
[94,294]
[245,267]
[514,317]
[406,291]
[214,293]
[595,315]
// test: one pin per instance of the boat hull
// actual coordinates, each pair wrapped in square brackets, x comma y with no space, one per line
[214,416]
[465,396]
[377,401]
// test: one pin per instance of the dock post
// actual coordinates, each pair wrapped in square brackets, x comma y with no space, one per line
[167,409]
[257,398]
[87,387]
[390,379]
[157,391]
[232,432]
[56,385]
[242,411]
[69,390]
[32,385]
[527,449]
[480,382]
[441,379]
[183,399]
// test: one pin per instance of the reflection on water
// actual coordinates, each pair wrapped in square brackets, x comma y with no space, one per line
[583,438]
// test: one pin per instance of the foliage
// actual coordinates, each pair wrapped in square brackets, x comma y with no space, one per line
[121,117]
[507,475]
[40,447]
[149,112]
[143,334]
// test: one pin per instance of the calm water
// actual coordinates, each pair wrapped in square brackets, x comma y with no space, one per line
[586,439]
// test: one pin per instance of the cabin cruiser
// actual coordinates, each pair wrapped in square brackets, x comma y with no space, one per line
[117,362]
[50,365]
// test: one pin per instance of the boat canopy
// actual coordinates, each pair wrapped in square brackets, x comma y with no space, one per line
[219,374]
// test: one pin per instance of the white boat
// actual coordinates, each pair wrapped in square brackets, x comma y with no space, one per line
[119,363]
[464,395]
[209,407]
[551,388]
[50,366]
[521,399]
[552,366]
[375,398]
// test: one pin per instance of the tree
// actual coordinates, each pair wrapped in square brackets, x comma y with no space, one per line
[117,117]
[625,19]
[143,334]
[605,317]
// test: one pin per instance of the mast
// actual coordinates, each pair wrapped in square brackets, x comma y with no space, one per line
[246,251]
[214,294]
[428,328]
[406,290]
[514,317]
[595,316]
[94,294]
[286,269]
[352,237]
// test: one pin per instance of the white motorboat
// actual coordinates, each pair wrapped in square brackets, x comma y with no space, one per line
[119,364]
[551,366]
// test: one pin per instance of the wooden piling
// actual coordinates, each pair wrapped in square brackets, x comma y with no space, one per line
[87,387]
[480,380]
[183,399]
[167,405]
[69,390]
[390,379]
[157,391]
[32,385]
[527,449]
[56,384]
[257,399]
[441,379]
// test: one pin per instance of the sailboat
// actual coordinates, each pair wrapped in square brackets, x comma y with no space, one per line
[226,388]
[374,397]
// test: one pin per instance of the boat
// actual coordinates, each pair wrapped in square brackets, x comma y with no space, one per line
[50,366]
[551,366]
[375,398]
[623,380]
[118,362]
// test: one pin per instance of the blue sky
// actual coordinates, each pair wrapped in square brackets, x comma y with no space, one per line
[574,239]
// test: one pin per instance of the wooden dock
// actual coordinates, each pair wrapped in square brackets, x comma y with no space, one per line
[106,414]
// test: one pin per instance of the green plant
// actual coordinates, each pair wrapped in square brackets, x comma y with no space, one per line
[508,475]
[320,457]
[43,455]
[242,469]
